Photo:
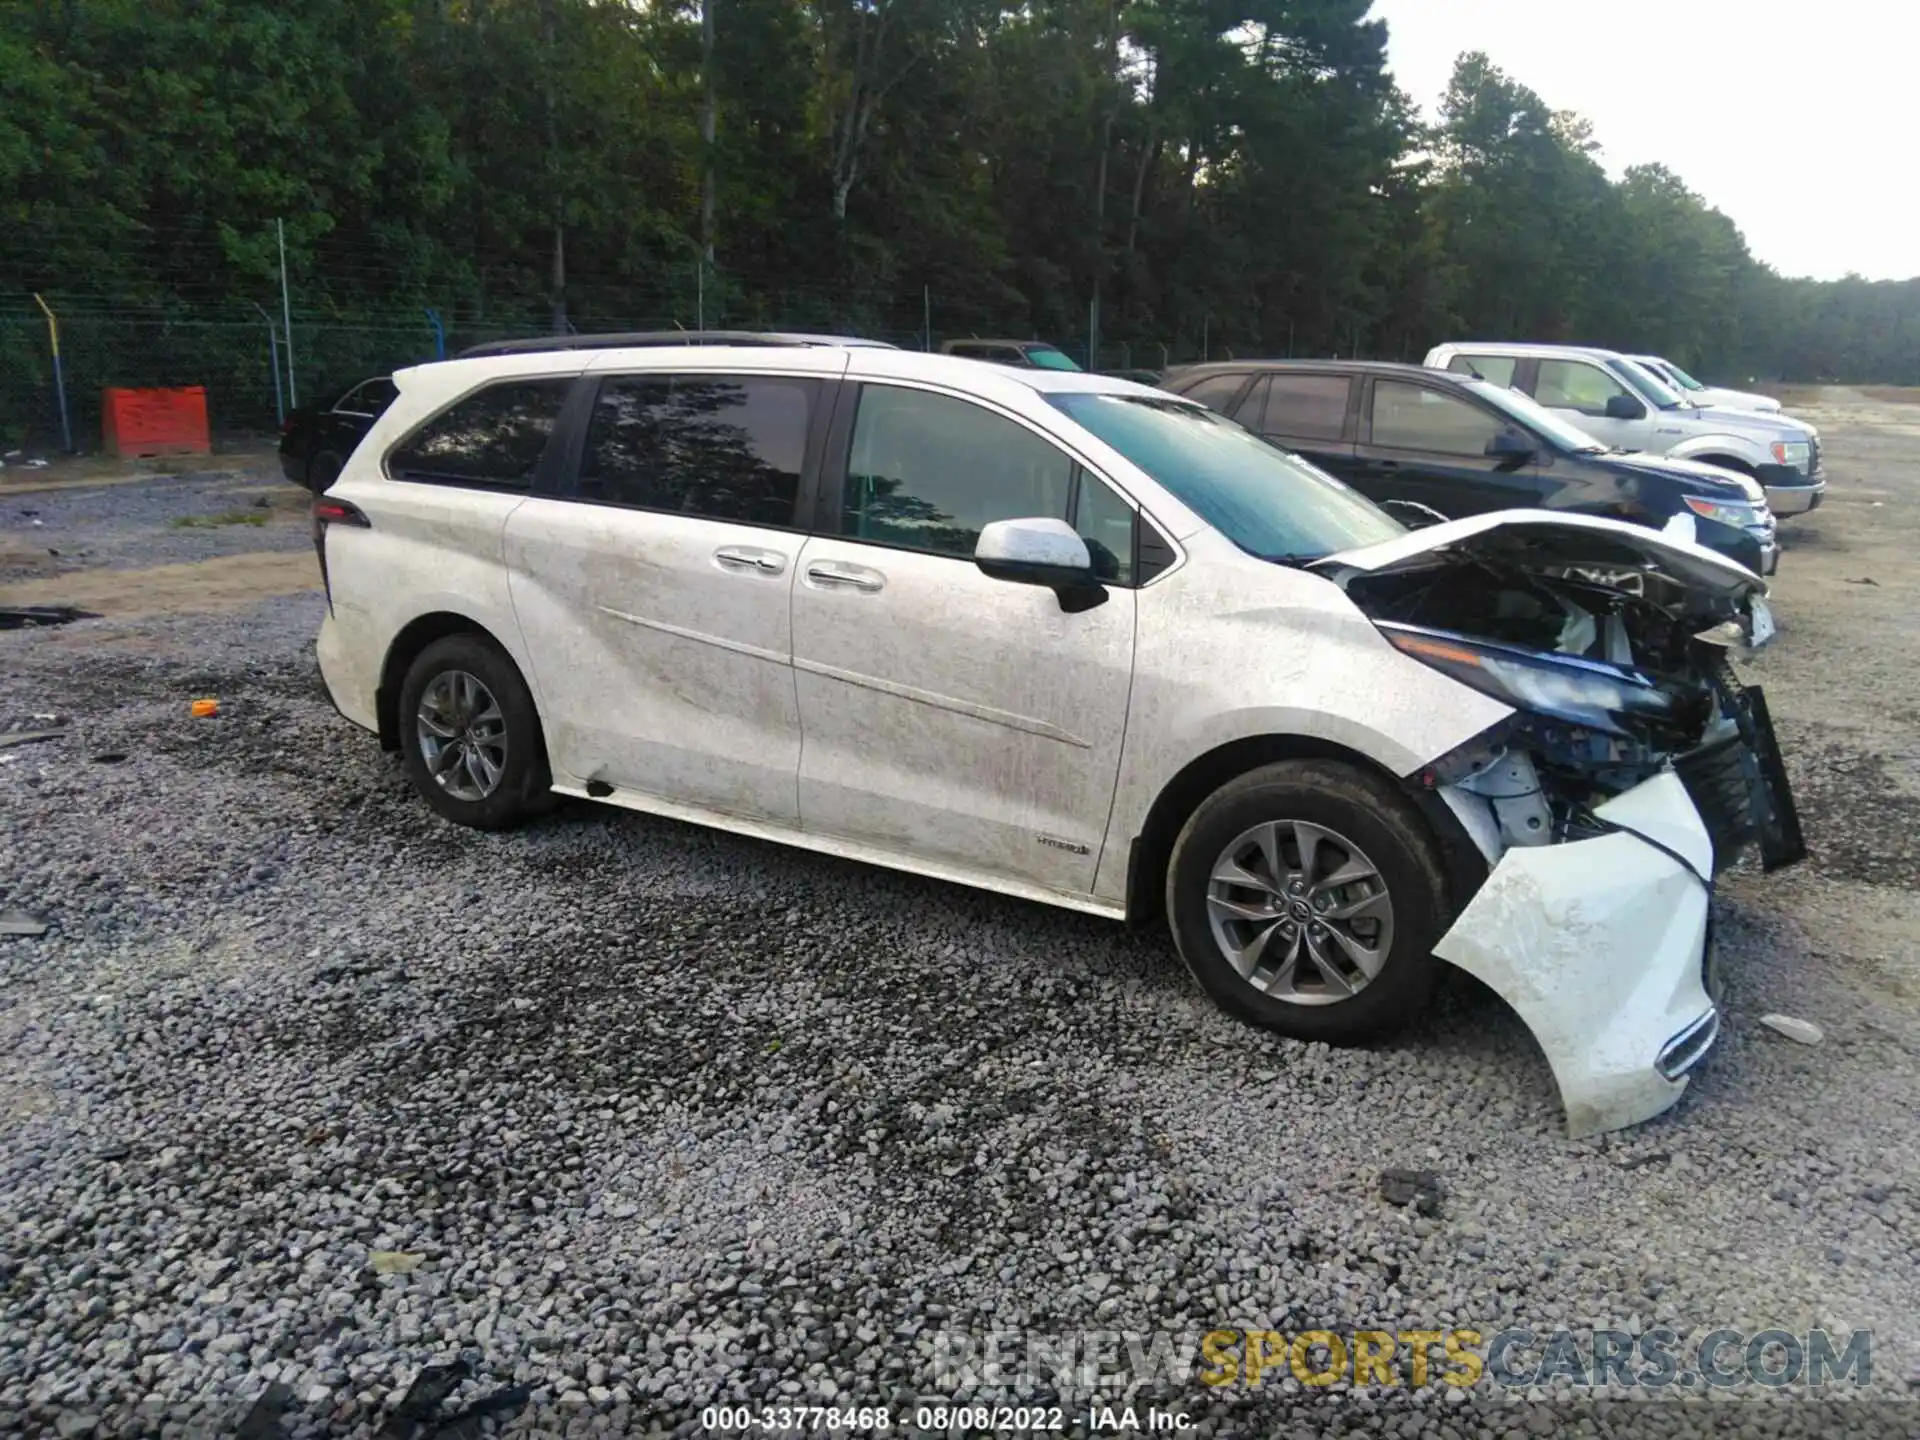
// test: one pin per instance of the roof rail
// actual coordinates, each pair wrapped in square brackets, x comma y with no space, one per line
[643,338]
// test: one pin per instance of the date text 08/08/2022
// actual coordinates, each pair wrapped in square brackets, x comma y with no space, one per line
[866,1419]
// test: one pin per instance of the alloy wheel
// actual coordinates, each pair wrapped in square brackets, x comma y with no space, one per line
[462,734]
[1300,912]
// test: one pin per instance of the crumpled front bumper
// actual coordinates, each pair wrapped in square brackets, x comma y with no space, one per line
[1600,946]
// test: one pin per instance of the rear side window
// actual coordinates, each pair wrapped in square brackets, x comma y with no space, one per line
[1307,407]
[494,438]
[1216,392]
[724,447]
[1497,369]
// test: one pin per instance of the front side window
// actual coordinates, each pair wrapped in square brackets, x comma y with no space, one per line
[492,439]
[1266,501]
[1307,407]
[723,447]
[1412,417]
[1495,368]
[929,472]
[1575,385]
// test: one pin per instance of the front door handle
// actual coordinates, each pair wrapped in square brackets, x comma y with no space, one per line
[836,575]
[749,560]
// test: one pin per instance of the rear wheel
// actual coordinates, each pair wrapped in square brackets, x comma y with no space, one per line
[470,736]
[1306,896]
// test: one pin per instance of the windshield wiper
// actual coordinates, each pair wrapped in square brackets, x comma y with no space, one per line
[1291,561]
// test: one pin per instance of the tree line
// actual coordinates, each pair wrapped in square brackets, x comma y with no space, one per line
[1241,176]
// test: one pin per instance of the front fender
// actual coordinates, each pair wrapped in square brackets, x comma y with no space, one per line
[1234,654]
[1734,447]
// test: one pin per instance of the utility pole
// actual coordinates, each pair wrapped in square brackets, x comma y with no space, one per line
[59,376]
[286,313]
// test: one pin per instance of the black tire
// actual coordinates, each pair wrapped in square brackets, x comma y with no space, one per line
[322,471]
[525,786]
[1397,842]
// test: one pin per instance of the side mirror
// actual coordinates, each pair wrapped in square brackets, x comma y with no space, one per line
[1041,551]
[1510,445]
[1625,407]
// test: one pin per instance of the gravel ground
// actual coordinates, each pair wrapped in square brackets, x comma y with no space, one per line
[305,1086]
[168,519]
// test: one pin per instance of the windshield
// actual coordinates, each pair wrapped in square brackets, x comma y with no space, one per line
[1045,357]
[1536,417]
[1687,382]
[1266,501]
[1652,389]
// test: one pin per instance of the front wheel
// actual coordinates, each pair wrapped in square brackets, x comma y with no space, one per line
[1306,896]
[470,735]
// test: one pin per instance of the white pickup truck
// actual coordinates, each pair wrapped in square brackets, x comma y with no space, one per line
[1623,404]
[1710,395]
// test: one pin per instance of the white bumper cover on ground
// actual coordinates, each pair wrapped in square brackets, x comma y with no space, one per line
[1599,945]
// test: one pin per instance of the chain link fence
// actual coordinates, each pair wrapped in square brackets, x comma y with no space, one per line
[238,351]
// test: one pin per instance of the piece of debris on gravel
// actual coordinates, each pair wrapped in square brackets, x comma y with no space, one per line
[1794,1028]
[1418,1188]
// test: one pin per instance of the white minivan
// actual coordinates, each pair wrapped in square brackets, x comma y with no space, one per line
[1619,402]
[1069,638]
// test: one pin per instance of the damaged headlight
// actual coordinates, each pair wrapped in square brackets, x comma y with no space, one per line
[1566,687]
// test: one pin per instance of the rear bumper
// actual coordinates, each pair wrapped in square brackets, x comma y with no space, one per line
[348,691]
[1600,945]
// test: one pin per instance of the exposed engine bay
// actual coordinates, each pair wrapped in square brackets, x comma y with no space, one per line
[1618,668]
[1632,766]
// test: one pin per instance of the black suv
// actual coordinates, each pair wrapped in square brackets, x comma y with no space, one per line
[1407,436]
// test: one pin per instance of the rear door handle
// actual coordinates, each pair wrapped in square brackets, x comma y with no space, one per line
[749,560]
[836,575]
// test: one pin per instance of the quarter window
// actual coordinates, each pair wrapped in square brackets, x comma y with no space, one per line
[494,438]
[1412,417]
[1307,407]
[1105,522]
[723,447]
[928,472]
[1575,385]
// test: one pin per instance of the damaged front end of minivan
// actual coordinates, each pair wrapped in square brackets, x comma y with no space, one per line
[1634,768]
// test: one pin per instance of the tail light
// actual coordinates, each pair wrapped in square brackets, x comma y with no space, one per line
[328,511]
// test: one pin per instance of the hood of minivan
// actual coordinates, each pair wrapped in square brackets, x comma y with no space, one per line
[1543,540]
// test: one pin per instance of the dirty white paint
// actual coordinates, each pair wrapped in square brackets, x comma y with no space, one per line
[662,645]
[1598,945]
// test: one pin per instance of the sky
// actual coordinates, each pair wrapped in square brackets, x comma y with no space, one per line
[1799,121]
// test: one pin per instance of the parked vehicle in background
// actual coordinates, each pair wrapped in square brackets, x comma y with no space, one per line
[1622,404]
[1700,394]
[316,440]
[1139,377]
[1027,354]
[1063,638]
[1456,446]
